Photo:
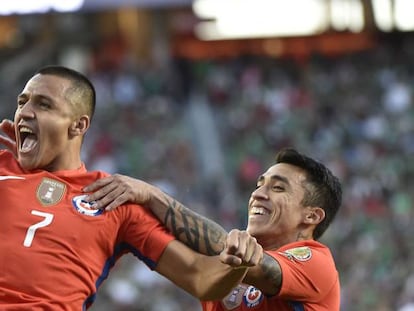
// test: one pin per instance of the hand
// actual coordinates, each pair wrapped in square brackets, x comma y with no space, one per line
[113,191]
[9,139]
[241,250]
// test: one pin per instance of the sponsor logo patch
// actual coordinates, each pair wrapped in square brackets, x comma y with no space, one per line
[302,253]
[50,191]
[84,207]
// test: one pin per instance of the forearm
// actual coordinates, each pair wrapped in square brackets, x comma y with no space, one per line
[204,277]
[267,276]
[197,232]
[216,284]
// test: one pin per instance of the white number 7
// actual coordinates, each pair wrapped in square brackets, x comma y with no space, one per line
[32,229]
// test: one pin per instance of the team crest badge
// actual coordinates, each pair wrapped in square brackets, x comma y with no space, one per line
[85,207]
[50,191]
[235,298]
[252,297]
[303,253]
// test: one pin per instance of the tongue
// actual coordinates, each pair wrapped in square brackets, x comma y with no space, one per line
[29,143]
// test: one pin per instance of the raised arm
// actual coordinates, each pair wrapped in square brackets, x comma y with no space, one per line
[198,232]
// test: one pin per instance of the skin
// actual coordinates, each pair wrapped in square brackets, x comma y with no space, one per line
[44,109]
[276,214]
[194,272]
[276,217]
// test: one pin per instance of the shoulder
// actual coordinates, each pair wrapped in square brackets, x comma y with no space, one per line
[80,177]
[307,267]
[306,253]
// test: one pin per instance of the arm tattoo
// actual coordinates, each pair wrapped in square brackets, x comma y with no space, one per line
[196,231]
[271,270]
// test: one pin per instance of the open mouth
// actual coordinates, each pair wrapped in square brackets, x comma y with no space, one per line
[28,140]
[257,210]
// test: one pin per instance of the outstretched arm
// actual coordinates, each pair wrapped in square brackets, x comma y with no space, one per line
[194,230]
[199,233]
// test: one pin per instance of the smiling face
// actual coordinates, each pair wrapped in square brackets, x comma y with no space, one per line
[43,119]
[276,213]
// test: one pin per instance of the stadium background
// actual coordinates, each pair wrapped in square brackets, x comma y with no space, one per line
[202,118]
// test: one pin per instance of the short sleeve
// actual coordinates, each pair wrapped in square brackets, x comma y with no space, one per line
[308,273]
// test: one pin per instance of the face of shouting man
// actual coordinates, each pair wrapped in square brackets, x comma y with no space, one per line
[48,125]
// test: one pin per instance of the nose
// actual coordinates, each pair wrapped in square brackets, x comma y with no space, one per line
[25,111]
[260,193]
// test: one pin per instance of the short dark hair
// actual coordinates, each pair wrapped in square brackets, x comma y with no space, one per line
[325,188]
[80,85]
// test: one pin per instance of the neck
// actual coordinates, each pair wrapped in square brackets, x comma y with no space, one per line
[273,243]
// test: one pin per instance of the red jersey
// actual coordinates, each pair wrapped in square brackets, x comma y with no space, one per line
[56,250]
[310,282]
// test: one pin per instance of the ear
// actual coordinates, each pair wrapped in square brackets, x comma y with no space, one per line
[79,126]
[314,215]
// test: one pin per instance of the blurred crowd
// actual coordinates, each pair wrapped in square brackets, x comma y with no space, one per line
[204,130]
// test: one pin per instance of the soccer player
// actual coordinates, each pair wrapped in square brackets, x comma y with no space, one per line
[56,249]
[293,204]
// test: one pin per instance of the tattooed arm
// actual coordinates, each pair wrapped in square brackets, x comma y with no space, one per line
[194,230]
[267,276]
[199,233]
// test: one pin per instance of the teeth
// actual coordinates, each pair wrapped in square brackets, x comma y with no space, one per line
[258,210]
[24,129]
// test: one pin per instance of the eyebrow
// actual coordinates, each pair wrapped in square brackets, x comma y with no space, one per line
[40,96]
[275,178]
